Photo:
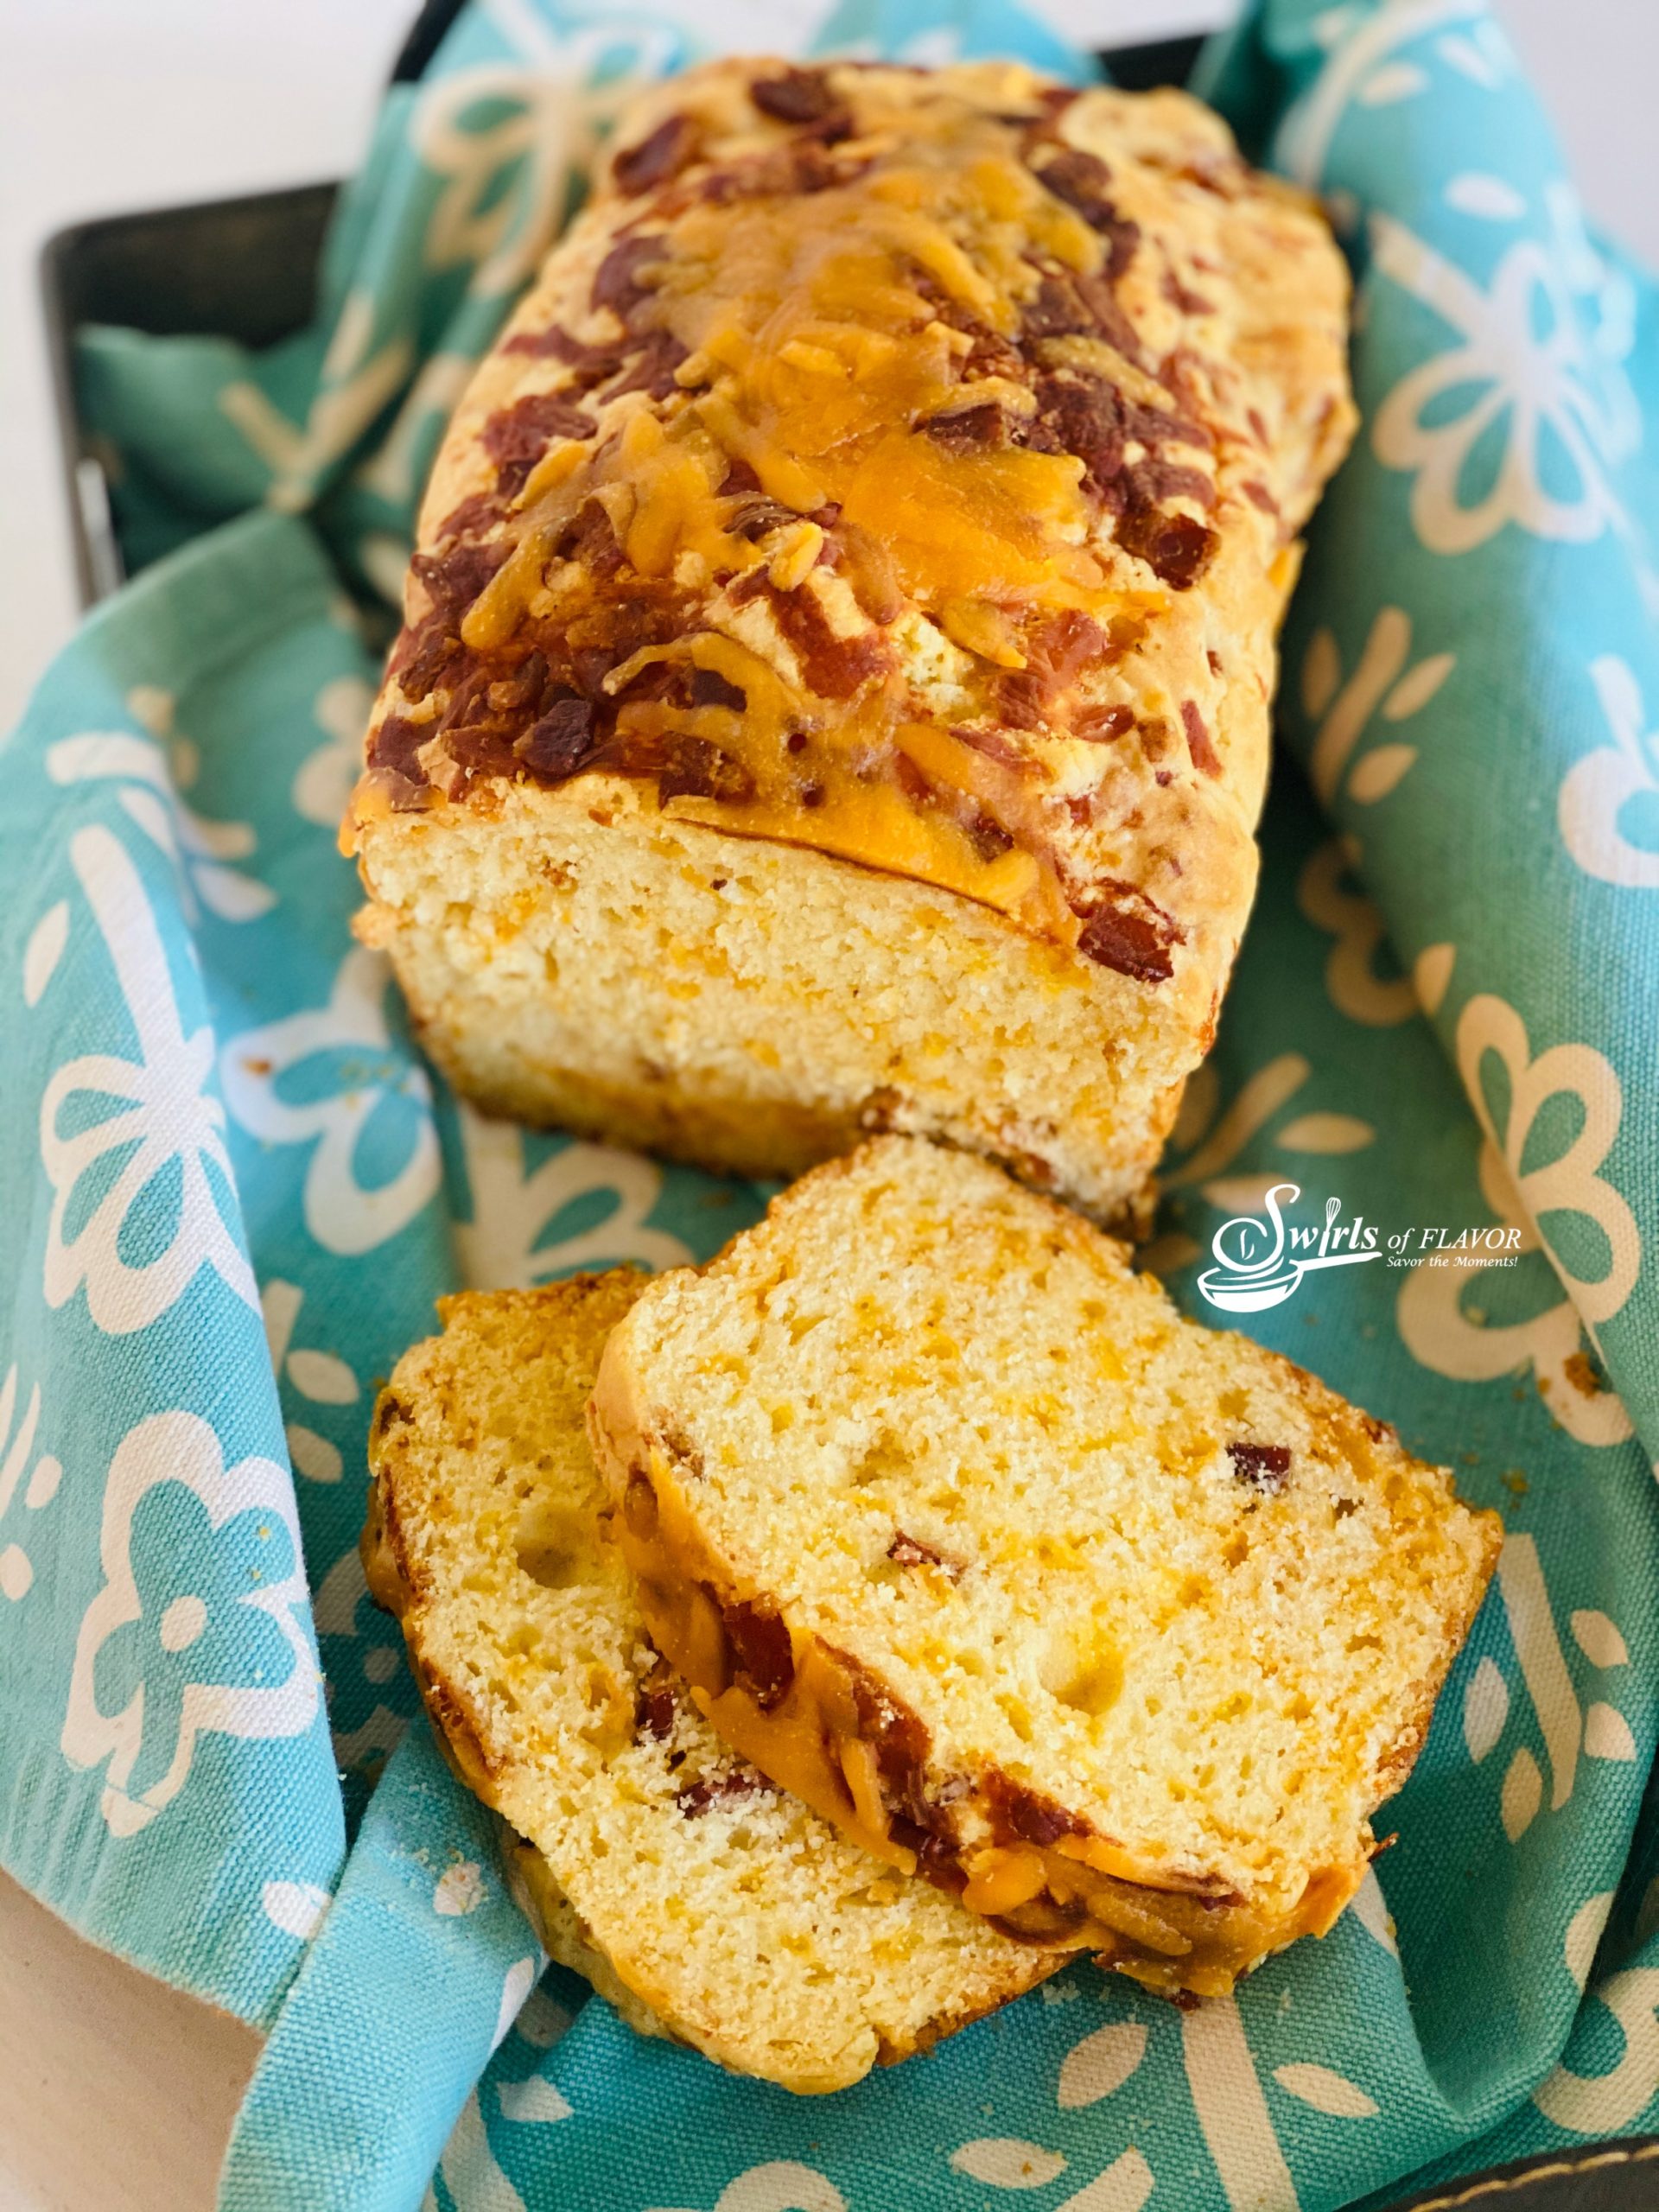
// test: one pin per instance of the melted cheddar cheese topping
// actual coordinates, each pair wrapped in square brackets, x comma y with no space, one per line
[845,537]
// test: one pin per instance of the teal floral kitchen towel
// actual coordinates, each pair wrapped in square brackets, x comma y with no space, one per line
[232,1190]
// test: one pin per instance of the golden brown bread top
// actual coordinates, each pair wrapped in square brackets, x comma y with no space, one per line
[905,464]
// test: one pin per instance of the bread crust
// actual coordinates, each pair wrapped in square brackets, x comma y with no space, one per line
[452,1520]
[813,1695]
[1008,631]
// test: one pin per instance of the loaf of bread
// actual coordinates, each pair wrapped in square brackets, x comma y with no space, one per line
[701,1902]
[1118,1626]
[835,682]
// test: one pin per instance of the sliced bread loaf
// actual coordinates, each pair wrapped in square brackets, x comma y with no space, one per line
[1119,1626]
[833,691]
[704,1904]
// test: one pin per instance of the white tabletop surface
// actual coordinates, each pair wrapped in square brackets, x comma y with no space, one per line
[117,2095]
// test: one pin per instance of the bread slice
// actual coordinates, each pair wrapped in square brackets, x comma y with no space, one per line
[704,1904]
[1120,1626]
[835,684]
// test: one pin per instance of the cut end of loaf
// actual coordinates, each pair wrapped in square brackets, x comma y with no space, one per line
[591,963]
[1121,1626]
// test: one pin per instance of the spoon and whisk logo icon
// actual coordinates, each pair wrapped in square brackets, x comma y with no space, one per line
[1259,1263]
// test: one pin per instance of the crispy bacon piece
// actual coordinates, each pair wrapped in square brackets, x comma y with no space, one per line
[693,768]
[834,667]
[517,436]
[710,689]
[1206,759]
[1262,1467]
[1102,725]
[1135,945]
[765,1659]
[664,154]
[697,1798]
[651,370]
[554,744]
[618,281]
[906,1550]
[1174,547]
[799,96]
[969,429]
[1081,179]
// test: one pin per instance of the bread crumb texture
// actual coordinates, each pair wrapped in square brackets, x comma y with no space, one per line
[896,472]
[695,1896]
[1120,1626]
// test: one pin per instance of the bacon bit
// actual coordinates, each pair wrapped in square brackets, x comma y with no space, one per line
[555,746]
[593,541]
[911,1551]
[1259,496]
[1100,725]
[881,1109]
[422,655]
[517,436]
[656,1706]
[799,96]
[805,165]
[834,667]
[477,512]
[766,1657]
[1059,310]
[651,370]
[454,580]
[1263,1467]
[592,364]
[1027,1815]
[1021,696]
[395,745]
[697,769]
[1175,548]
[617,282]
[1179,296]
[740,477]
[1206,759]
[1080,180]
[1129,942]
[911,780]
[969,429]
[1184,2000]
[390,1408]
[1088,416]
[1059,648]
[696,1798]
[1258,426]
[522,687]
[997,747]
[936,1855]
[755,517]
[1155,480]
[989,839]
[710,689]
[655,159]
[991,355]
